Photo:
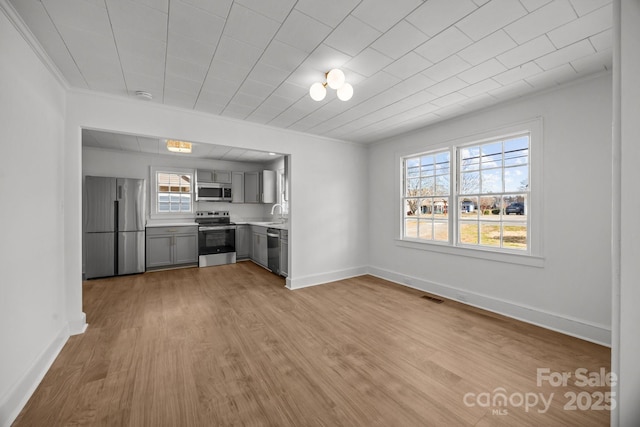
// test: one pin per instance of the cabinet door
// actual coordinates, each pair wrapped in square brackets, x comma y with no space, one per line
[268,187]
[186,248]
[284,257]
[251,187]
[223,177]
[243,241]
[263,251]
[237,187]
[159,251]
[204,175]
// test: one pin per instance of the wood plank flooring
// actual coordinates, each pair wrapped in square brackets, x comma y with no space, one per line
[230,345]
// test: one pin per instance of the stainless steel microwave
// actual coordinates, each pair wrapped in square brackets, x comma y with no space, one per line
[213,192]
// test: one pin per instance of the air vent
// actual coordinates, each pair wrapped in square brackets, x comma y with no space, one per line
[433,299]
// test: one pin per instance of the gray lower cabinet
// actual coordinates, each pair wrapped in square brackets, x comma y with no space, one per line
[171,246]
[243,241]
[259,248]
[284,253]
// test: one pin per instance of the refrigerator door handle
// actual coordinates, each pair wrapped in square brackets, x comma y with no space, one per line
[119,191]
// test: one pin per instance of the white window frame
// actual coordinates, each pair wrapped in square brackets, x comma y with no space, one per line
[535,250]
[153,191]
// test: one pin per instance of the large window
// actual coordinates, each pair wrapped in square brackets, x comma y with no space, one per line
[173,192]
[472,194]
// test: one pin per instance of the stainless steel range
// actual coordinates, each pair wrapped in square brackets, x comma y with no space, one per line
[216,238]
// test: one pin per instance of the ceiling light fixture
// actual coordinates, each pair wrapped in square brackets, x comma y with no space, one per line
[146,96]
[178,146]
[335,79]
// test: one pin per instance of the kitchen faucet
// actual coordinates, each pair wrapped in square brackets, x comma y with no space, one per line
[281,210]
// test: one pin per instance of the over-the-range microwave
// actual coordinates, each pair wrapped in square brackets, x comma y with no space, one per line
[213,192]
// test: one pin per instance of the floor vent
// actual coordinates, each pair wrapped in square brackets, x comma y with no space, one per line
[433,299]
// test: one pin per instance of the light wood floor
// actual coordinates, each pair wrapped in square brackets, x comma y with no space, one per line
[230,345]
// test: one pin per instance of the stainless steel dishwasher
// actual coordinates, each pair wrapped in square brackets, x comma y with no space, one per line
[273,249]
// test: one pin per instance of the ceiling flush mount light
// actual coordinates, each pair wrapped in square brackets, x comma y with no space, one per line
[335,80]
[145,96]
[178,146]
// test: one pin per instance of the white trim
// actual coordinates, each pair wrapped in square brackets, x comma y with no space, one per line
[534,127]
[79,326]
[153,199]
[579,328]
[19,394]
[323,278]
[28,36]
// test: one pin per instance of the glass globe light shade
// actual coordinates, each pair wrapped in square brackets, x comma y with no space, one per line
[317,91]
[345,92]
[335,78]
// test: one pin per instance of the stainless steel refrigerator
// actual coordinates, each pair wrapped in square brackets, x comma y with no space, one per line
[114,221]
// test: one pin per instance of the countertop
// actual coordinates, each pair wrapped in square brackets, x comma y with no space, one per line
[267,224]
[177,223]
[187,223]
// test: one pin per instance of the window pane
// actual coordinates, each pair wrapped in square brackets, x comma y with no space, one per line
[442,186]
[491,181]
[442,163]
[426,208]
[441,231]
[469,208]
[469,233]
[470,183]
[516,151]
[490,207]
[491,155]
[427,185]
[413,167]
[411,207]
[490,234]
[425,229]
[470,158]
[428,166]
[515,208]
[514,236]
[516,179]
[411,228]
[440,209]
[413,187]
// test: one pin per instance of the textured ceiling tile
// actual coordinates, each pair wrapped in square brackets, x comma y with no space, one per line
[384,14]
[603,40]
[558,75]
[543,20]
[435,16]
[522,72]
[447,68]
[80,15]
[399,40]
[586,26]
[195,24]
[491,17]
[532,5]
[330,12]
[369,62]
[526,52]
[585,6]
[448,86]
[277,10]
[599,61]
[487,48]
[352,36]
[189,50]
[480,88]
[219,8]
[512,90]
[144,20]
[250,27]
[302,31]
[325,58]
[566,54]
[483,71]
[283,56]
[408,65]
[443,45]
[451,99]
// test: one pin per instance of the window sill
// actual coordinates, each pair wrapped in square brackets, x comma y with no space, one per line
[486,254]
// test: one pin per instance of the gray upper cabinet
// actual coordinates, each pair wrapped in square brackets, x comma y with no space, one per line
[222,177]
[237,187]
[260,187]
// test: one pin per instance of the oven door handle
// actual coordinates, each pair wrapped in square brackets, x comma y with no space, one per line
[220,227]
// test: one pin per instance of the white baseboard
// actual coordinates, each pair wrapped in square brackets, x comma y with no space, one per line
[579,328]
[319,279]
[78,326]
[17,397]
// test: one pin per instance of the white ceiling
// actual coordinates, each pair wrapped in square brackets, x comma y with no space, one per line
[411,62]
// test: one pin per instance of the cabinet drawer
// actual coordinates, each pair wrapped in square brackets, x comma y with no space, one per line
[181,229]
